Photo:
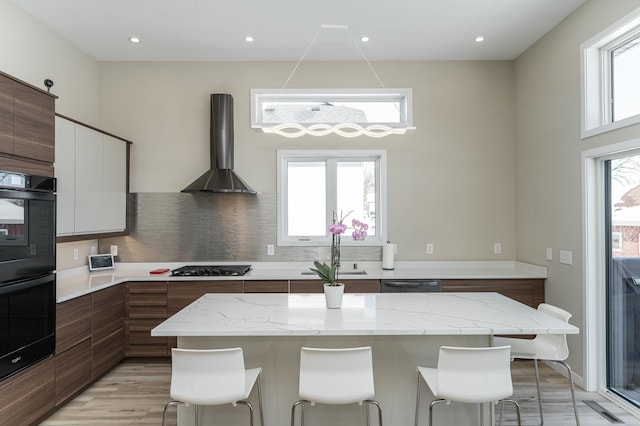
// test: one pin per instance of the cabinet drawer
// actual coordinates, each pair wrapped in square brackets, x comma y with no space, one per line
[144,338]
[144,299]
[108,312]
[73,371]
[266,286]
[350,286]
[108,352]
[147,287]
[147,312]
[73,322]
[29,395]
[142,324]
[144,351]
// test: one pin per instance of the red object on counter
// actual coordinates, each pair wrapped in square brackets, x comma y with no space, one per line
[159,271]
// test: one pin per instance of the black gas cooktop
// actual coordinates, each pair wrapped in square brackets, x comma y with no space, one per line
[211,270]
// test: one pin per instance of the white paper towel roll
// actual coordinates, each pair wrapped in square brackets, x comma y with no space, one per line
[388,254]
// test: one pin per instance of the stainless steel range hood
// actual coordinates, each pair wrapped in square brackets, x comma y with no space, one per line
[220,177]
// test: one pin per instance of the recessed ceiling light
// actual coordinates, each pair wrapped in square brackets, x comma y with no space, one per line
[479,39]
[248,39]
[134,39]
[364,39]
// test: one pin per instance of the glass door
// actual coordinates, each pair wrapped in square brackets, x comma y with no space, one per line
[622,206]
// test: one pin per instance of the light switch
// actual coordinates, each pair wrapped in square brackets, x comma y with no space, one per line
[429,248]
[271,250]
[549,253]
[566,257]
[497,248]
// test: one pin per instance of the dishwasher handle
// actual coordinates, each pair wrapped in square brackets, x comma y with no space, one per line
[411,286]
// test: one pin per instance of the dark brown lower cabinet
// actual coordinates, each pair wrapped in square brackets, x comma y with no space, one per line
[527,291]
[73,370]
[350,286]
[146,307]
[28,396]
[273,286]
[89,340]
[73,347]
[108,329]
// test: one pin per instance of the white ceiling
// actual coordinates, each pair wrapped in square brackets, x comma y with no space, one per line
[214,30]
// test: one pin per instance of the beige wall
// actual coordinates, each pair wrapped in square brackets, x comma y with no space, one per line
[548,154]
[33,53]
[451,181]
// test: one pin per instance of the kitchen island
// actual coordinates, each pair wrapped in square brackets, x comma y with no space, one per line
[404,330]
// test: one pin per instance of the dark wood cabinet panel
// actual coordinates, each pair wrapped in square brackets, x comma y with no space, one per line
[73,371]
[29,395]
[146,307]
[108,329]
[6,115]
[182,293]
[527,291]
[73,322]
[108,312]
[34,124]
[108,352]
[350,286]
[266,286]
[28,167]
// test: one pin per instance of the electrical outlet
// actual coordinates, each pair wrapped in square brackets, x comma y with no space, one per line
[76,254]
[271,250]
[549,253]
[114,250]
[429,248]
[94,250]
[497,248]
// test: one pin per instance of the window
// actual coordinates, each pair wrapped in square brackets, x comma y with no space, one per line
[610,87]
[295,112]
[312,185]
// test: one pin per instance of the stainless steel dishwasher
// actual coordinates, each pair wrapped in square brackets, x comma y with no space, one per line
[410,286]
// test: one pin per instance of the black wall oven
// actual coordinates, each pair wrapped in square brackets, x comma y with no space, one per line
[27,270]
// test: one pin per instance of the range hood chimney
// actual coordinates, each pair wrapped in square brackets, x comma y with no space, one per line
[220,177]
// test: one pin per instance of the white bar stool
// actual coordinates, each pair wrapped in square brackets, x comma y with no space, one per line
[468,375]
[336,376]
[212,377]
[544,347]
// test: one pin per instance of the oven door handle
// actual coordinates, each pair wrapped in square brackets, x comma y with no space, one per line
[25,284]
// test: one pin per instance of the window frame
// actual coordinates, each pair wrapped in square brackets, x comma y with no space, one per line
[595,65]
[404,96]
[286,156]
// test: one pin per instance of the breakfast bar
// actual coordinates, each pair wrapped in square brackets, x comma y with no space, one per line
[404,330]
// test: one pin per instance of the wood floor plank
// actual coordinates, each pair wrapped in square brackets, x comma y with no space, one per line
[135,394]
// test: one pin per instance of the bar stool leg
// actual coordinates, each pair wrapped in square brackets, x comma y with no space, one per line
[417,401]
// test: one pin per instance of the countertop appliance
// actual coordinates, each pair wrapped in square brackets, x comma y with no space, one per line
[211,270]
[410,286]
[27,265]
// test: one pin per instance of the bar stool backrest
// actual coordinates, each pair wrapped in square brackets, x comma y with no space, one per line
[207,377]
[336,376]
[552,346]
[474,374]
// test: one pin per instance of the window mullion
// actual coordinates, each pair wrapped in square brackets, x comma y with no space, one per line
[332,189]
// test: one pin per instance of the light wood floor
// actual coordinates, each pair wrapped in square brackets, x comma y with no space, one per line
[135,394]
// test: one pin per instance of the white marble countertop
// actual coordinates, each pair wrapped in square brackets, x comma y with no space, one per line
[361,315]
[79,281]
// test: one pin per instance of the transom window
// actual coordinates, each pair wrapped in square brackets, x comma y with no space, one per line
[315,185]
[295,112]
[610,86]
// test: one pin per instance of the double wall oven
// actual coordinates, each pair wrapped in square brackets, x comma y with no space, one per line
[27,270]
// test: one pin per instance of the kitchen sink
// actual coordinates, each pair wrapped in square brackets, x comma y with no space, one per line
[347,272]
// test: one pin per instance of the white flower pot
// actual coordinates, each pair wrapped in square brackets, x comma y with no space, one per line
[333,295]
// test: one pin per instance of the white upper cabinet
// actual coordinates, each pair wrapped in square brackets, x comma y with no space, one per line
[91,168]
